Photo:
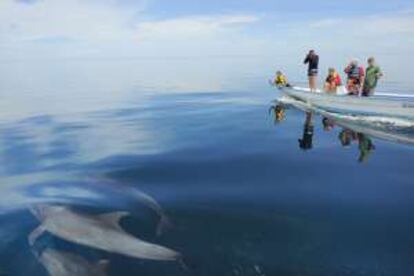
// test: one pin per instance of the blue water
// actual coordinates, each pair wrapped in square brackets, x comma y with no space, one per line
[242,195]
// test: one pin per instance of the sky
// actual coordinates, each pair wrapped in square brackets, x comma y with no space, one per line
[180,28]
[52,50]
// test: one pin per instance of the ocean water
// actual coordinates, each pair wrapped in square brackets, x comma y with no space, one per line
[245,194]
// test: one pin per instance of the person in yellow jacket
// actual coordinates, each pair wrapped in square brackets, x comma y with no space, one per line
[281,80]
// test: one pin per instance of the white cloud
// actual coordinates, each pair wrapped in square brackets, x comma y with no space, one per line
[372,25]
[103,28]
[201,26]
[403,24]
[389,33]
[79,28]
[74,19]
[100,21]
[325,23]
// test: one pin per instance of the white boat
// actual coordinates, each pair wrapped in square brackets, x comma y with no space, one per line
[387,105]
[391,129]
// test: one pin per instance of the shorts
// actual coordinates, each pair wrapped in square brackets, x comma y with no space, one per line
[367,91]
[313,73]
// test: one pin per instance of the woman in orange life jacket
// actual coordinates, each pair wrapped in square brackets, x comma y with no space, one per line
[332,82]
[356,77]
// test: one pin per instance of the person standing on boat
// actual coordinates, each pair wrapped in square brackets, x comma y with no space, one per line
[356,76]
[372,75]
[312,59]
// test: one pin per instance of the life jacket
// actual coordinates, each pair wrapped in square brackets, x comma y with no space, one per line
[336,78]
[281,80]
[354,72]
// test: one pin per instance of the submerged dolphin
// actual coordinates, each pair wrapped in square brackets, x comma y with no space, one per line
[58,263]
[88,192]
[164,222]
[100,232]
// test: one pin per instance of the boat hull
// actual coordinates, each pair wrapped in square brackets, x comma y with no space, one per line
[367,106]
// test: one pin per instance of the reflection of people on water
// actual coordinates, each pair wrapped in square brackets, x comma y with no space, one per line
[347,136]
[306,143]
[365,144]
[365,147]
[328,124]
[278,111]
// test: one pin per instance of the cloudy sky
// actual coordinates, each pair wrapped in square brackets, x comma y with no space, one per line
[52,50]
[146,28]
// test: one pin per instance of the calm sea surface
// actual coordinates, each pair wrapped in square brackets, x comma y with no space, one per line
[245,195]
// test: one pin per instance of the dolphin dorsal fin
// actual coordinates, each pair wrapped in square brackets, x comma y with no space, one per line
[113,218]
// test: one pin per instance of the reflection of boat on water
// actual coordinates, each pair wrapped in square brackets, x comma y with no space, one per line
[59,263]
[365,144]
[392,133]
[389,106]
[361,119]
[347,137]
[381,126]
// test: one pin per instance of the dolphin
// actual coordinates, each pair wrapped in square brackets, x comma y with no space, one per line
[164,223]
[58,263]
[83,192]
[96,231]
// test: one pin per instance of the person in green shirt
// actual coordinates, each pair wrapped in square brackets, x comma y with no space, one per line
[372,75]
